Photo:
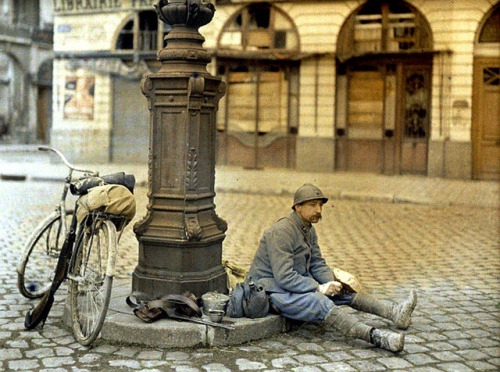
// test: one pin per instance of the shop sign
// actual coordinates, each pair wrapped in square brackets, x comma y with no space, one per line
[77,6]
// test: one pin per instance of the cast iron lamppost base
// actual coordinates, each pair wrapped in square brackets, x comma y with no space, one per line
[180,238]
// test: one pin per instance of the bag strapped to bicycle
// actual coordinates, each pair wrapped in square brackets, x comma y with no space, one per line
[178,307]
[83,185]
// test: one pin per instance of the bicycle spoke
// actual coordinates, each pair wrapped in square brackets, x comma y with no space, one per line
[90,288]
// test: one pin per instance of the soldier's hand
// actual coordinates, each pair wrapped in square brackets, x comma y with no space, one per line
[331,288]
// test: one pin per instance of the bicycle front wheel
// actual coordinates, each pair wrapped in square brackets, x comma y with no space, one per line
[90,284]
[39,259]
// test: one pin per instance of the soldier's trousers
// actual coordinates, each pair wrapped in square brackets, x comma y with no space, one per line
[307,307]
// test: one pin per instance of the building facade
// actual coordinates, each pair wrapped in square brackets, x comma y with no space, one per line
[26,54]
[394,87]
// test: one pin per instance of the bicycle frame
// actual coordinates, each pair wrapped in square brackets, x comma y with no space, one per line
[61,206]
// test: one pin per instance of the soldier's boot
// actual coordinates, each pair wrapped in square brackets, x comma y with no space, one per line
[340,320]
[399,313]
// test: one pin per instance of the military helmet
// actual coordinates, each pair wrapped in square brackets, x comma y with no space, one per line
[308,192]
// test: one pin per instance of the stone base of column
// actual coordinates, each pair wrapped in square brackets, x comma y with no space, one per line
[178,268]
[211,281]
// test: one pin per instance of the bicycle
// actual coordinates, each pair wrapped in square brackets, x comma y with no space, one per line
[87,257]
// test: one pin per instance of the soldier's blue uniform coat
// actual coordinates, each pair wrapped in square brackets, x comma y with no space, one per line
[289,264]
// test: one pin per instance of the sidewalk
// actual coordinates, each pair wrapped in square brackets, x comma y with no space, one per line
[22,163]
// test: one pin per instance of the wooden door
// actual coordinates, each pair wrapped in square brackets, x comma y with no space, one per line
[255,114]
[44,114]
[486,119]
[414,120]
[365,119]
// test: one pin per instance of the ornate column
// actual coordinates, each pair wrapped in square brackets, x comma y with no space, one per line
[180,238]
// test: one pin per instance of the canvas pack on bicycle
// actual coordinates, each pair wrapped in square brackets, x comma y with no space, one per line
[101,199]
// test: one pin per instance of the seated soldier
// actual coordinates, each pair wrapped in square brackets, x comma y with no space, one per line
[301,286]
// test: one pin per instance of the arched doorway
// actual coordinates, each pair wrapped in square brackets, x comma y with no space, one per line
[258,117]
[486,99]
[384,76]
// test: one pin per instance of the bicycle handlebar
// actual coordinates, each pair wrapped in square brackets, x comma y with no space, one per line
[65,160]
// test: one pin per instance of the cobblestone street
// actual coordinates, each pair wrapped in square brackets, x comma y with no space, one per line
[449,254]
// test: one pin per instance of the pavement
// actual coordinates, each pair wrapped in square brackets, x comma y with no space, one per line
[18,162]
[394,232]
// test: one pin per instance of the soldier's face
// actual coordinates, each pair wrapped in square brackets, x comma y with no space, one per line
[310,211]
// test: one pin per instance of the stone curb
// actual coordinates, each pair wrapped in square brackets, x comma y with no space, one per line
[122,326]
[342,195]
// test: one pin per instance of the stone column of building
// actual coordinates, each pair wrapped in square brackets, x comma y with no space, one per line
[180,238]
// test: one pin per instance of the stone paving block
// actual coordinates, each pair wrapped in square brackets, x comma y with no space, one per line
[215,367]
[455,335]
[89,358]
[338,366]
[394,363]
[5,335]
[454,367]
[485,342]
[472,354]
[126,352]
[481,365]
[125,363]
[464,344]
[307,369]
[432,336]
[441,346]
[310,359]
[285,362]
[425,369]
[249,365]
[186,369]
[365,353]
[154,363]
[366,365]
[63,351]
[8,353]
[492,351]
[450,326]
[25,364]
[495,361]
[479,333]
[57,361]
[415,348]
[419,359]
[308,346]
[339,356]
[446,356]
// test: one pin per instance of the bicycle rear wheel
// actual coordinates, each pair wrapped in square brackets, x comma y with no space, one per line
[39,259]
[90,284]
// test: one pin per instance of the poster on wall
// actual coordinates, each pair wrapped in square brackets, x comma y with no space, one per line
[79,97]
